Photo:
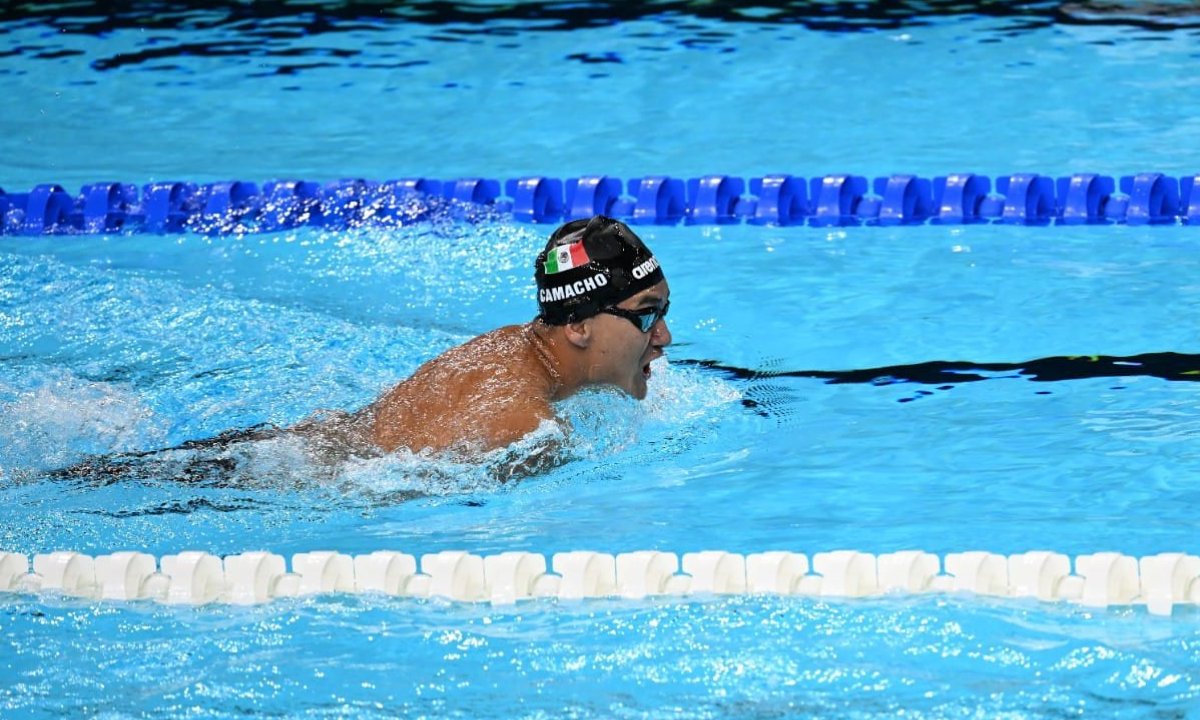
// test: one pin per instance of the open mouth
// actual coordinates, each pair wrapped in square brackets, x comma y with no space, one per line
[646,366]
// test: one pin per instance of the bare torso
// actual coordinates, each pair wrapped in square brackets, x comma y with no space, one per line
[484,394]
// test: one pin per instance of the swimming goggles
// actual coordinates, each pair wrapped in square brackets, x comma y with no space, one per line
[643,319]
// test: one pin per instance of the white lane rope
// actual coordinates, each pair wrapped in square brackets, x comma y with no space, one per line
[1159,582]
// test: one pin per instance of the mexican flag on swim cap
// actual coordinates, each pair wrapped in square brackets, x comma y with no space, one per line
[591,264]
[566,257]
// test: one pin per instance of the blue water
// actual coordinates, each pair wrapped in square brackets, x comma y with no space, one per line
[672,93]
[133,343]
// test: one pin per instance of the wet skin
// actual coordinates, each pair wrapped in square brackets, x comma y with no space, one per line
[498,387]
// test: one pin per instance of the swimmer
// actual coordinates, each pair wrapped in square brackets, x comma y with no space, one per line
[602,302]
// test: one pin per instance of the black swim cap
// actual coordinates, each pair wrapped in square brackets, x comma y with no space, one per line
[588,265]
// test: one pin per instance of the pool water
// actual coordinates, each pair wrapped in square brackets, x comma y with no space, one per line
[792,413]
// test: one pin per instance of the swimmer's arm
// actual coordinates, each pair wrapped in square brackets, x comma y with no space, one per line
[536,453]
[518,418]
[516,429]
[542,458]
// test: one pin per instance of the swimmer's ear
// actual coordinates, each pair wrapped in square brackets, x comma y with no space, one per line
[579,333]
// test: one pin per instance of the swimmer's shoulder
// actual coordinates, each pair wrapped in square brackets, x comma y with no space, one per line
[504,353]
[488,390]
[506,340]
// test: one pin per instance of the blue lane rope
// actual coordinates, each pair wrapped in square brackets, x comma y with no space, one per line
[776,200]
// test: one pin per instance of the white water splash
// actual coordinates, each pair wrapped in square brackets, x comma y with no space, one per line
[62,417]
[404,472]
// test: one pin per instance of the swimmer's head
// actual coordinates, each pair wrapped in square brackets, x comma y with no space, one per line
[589,265]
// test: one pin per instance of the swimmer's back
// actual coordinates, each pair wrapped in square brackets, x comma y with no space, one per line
[486,393]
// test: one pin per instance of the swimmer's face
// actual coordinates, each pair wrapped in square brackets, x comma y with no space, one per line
[624,352]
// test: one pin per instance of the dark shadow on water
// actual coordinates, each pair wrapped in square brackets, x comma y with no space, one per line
[230,460]
[768,399]
[1183,367]
[281,21]
[181,507]
[203,462]
[278,20]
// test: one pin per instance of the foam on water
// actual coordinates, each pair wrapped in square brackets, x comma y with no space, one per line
[679,401]
[55,416]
